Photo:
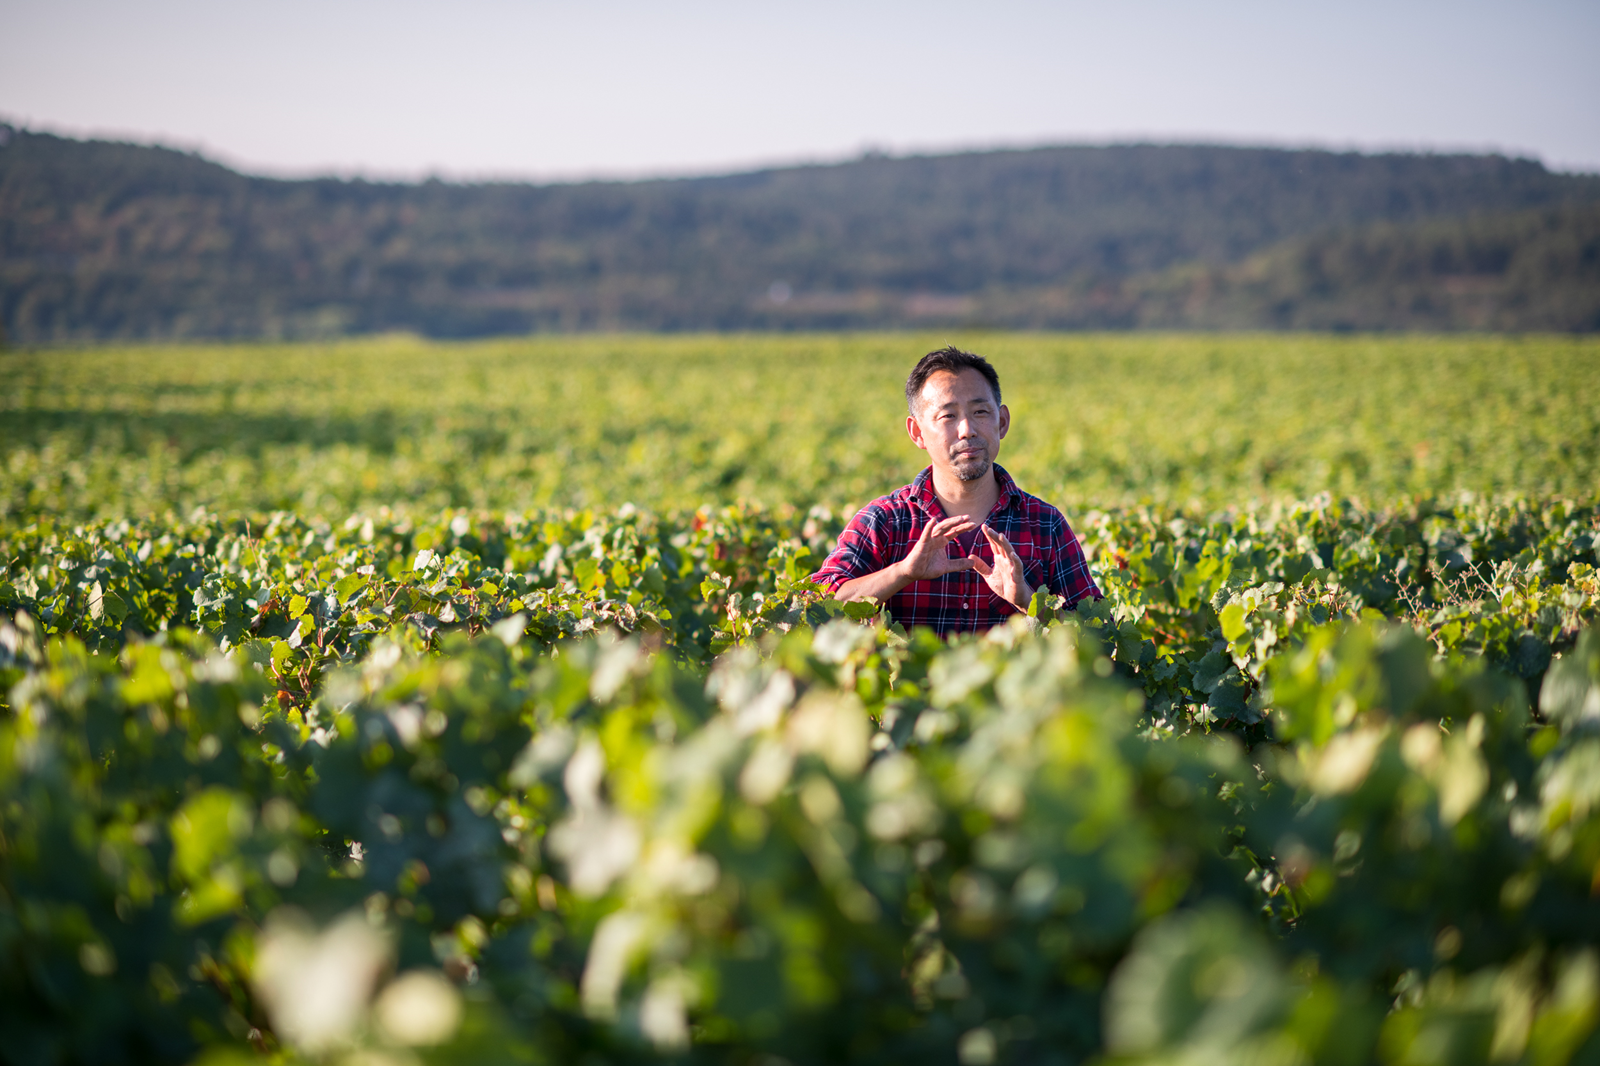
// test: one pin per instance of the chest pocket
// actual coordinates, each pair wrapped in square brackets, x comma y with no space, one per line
[1035,562]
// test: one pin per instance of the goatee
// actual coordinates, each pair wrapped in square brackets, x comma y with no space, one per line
[973,469]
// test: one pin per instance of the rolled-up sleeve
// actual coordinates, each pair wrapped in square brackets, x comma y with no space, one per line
[862,550]
[1071,577]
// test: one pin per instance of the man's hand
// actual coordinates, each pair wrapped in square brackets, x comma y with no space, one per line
[1005,576]
[929,558]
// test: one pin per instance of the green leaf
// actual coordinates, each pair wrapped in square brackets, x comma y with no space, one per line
[1210,670]
[205,835]
[1228,698]
[1531,655]
[510,630]
[348,586]
[1204,977]
[1233,624]
[1571,689]
[862,609]
[1092,612]
[149,681]
[104,604]
[587,573]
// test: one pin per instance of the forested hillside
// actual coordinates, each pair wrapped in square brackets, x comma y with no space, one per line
[1530,270]
[101,240]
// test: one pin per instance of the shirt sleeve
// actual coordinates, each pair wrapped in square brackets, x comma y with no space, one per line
[860,551]
[1071,577]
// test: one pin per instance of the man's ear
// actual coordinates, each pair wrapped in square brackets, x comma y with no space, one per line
[914,431]
[1005,421]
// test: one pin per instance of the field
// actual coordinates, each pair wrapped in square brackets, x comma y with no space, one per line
[393,702]
[675,423]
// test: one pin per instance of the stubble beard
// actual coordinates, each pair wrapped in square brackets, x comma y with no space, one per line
[971,468]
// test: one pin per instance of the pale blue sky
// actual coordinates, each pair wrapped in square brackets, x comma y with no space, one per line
[480,88]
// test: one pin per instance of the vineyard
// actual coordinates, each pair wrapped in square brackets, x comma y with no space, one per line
[399,703]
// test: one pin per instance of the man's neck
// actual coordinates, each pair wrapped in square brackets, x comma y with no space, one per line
[975,498]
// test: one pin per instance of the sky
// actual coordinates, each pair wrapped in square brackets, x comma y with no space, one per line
[615,88]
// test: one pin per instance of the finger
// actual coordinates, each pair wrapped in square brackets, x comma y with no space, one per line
[1001,545]
[996,538]
[942,528]
[952,526]
[997,545]
[947,538]
[980,566]
[948,565]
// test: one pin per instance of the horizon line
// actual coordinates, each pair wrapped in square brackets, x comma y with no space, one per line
[799,161]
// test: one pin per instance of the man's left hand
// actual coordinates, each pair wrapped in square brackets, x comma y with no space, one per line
[1005,576]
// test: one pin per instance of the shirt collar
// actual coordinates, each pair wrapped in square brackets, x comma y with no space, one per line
[1009,493]
[922,492]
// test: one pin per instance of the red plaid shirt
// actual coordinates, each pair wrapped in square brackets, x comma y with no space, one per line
[885,530]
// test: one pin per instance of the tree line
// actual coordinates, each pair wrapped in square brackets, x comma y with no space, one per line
[102,240]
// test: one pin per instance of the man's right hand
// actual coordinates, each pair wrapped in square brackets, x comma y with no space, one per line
[929,558]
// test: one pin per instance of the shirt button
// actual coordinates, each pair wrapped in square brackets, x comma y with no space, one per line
[963,605]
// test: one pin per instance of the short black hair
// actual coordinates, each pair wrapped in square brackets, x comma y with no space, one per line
[955,361]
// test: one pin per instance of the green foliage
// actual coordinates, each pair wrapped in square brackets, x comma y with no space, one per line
[841,842]
[514,778]
[674,424]
[854,845]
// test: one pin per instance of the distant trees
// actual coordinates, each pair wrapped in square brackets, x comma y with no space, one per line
[102,240]
[1519,271]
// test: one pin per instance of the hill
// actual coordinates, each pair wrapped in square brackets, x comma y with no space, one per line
[101,240]
[1521,271]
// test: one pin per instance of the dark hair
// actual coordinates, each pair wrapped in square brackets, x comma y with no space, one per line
[955,361]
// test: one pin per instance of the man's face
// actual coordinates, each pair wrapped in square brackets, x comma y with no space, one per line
[958,423]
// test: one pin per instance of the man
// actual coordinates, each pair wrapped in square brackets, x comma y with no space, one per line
[961,548]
